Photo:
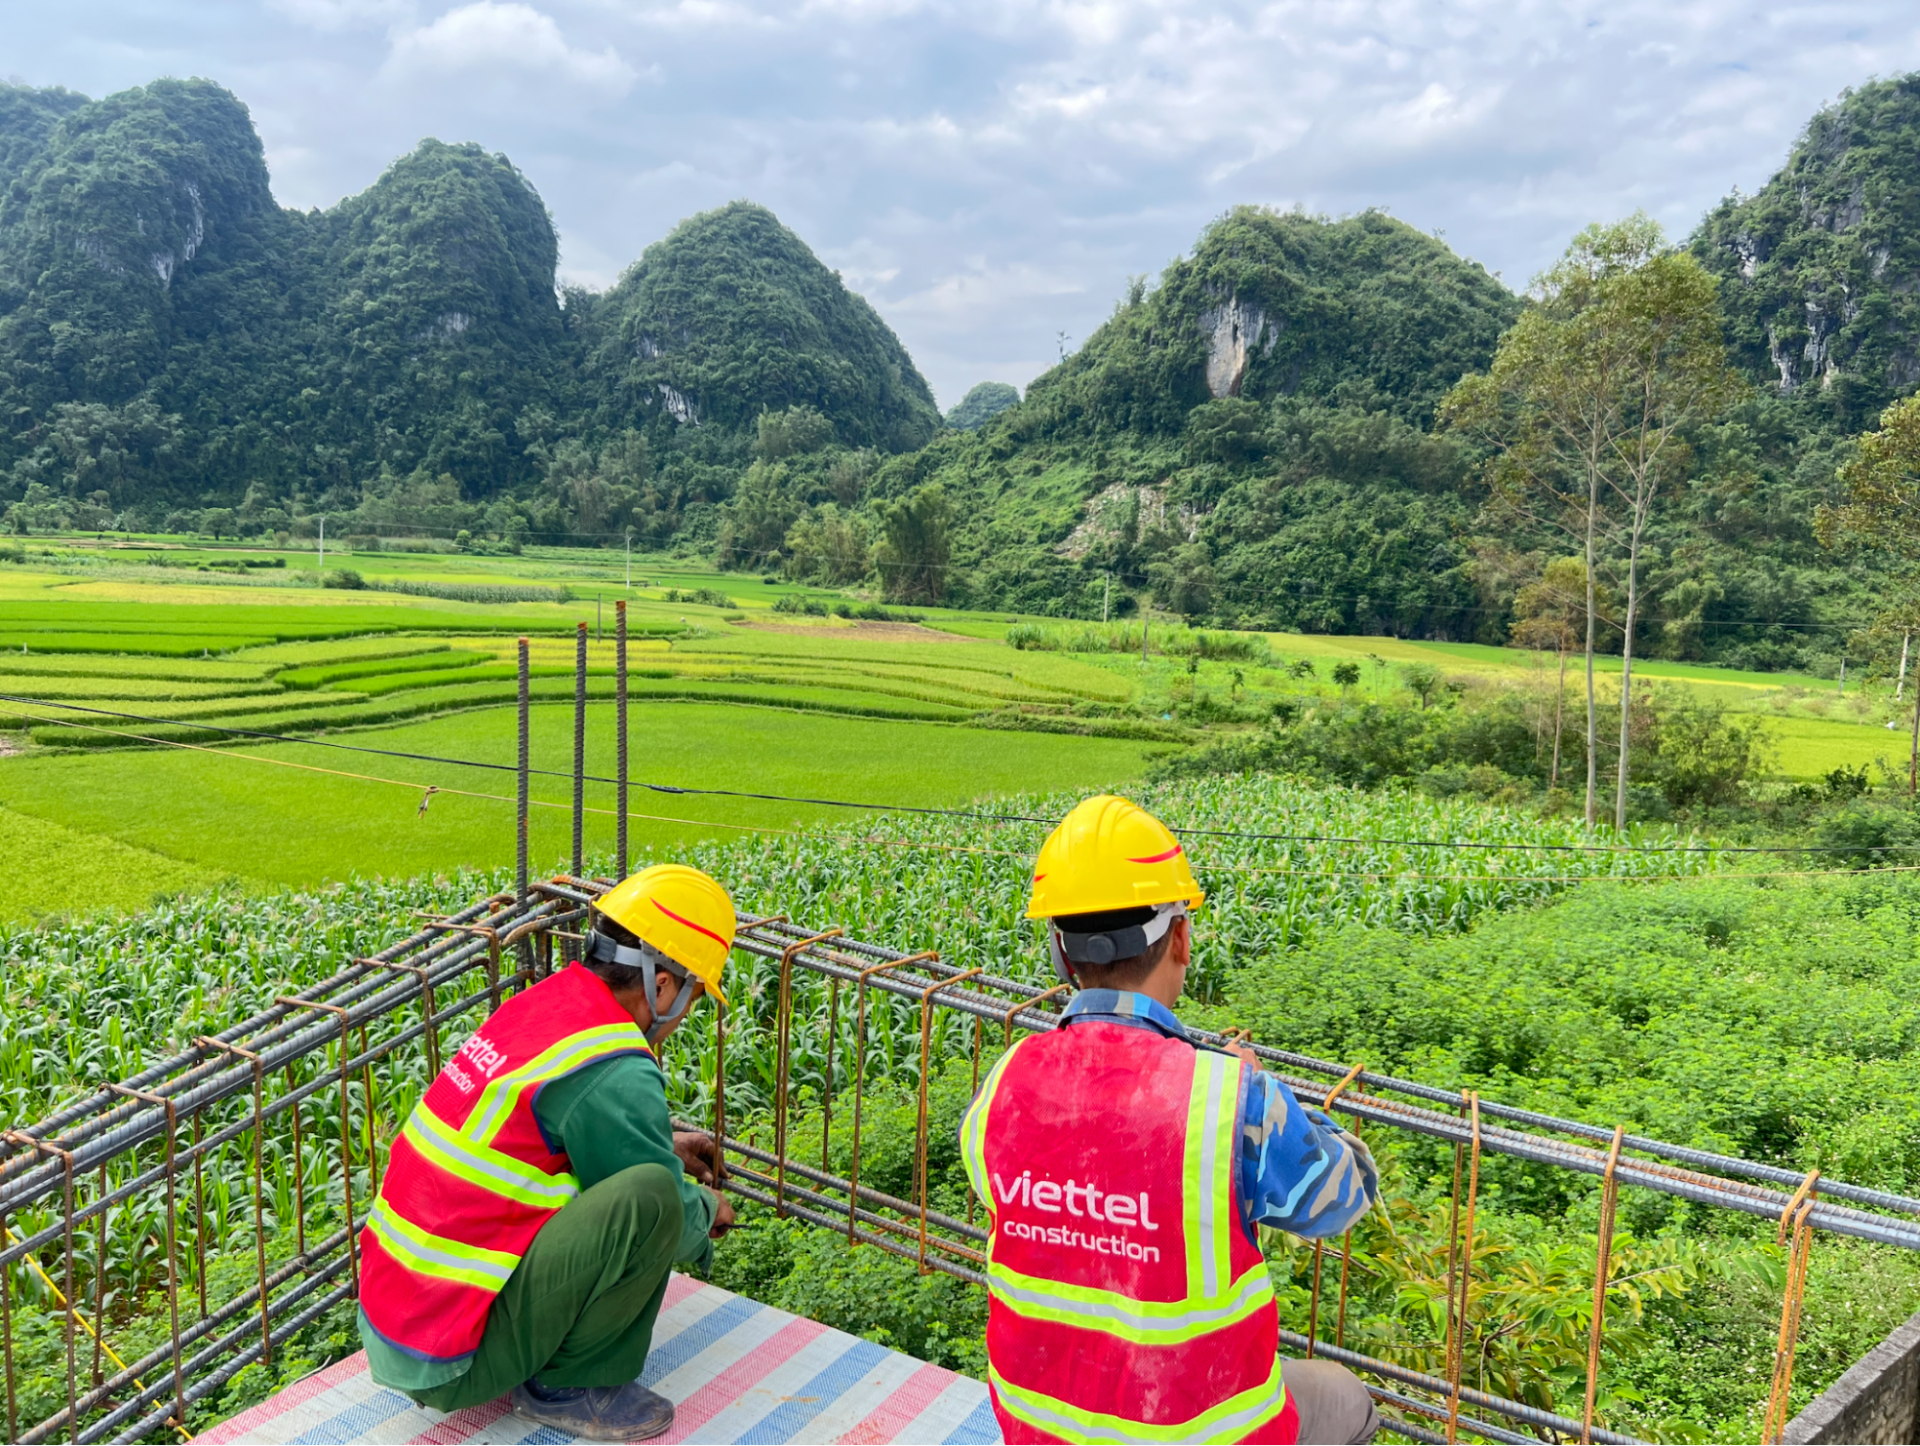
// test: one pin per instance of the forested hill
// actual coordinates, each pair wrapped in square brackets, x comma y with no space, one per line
[171,339]
[1250,440]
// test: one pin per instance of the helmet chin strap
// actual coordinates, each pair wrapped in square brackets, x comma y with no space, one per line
[650,962]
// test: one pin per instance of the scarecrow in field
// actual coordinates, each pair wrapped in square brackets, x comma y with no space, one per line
[1127,1168]
[539,1196]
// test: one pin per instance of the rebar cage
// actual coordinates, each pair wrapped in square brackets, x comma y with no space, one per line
[225,1185]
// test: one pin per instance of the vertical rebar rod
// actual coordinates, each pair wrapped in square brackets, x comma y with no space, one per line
[1466,1274]
[199,1219]
[6,1338]
[826,1099]
[1313,1308]
[719,1091]
[620,739]
[1797,1235]
[299,1173]
[99,1279]
[783,1062]
[520,811]
[173,1233]
[579,750]
[1346,1260]
[926,1069]
[1602,1269]
[860,1075]
[366,1088]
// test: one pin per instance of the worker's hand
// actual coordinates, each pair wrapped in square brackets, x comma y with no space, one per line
[1247,1056]
[698,1156]
[722,1217]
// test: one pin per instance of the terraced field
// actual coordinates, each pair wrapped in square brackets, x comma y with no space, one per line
[288,669]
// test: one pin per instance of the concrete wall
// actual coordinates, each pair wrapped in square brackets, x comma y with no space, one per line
[1877,1401]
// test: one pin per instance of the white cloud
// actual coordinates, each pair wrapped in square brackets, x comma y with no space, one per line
[990,172]
[492,35]
[330,15]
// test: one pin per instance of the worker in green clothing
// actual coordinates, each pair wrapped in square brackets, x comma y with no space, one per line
[539,1195]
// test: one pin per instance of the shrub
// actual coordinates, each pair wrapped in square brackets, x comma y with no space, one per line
[344,577]
[1866,835]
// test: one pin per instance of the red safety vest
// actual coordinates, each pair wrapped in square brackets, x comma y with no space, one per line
[471,1179]
[1125,1301]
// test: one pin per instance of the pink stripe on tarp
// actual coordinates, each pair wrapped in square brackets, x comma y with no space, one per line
[740,1377]
[463,1424]
[679,1287]
[277,1405]
[893,1415]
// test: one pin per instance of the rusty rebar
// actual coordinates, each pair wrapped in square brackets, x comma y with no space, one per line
[521,802]
[860,1062]
[1797,1234]
[173,1252]
[339,1012]
[782,1053]
[1458,1364]
[22,1137]
[579,749]
[620,738]
[1602,1270]
[926,1069]
[259,1185]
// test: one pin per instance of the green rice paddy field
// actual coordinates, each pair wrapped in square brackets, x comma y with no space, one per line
[104,655]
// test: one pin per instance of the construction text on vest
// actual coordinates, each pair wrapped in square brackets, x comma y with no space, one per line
[1052,1197]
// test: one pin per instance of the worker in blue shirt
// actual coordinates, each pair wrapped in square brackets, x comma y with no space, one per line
[1152,1317]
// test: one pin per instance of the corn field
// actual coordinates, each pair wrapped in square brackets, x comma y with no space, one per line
[91,1002]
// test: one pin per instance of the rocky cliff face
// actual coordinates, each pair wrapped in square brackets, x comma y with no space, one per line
[1820,272]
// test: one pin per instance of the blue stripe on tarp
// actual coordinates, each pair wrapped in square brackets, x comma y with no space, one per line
[978,1429]
[353,1423]
[546,1436]
[677,1350]
[841,1375]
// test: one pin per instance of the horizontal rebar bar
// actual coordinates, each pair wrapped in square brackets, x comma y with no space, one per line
[1733,1194]
[1419,1380]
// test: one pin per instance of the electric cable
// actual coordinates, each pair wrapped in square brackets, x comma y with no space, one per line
[931,811]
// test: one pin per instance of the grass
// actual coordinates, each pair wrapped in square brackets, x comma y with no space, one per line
[221,813]
[54,871]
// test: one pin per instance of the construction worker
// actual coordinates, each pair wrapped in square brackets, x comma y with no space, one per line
[1125,1169]
[539,1196]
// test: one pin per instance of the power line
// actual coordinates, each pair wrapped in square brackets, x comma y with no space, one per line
[976,815]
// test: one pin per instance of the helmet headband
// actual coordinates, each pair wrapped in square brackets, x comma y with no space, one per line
[1103,948]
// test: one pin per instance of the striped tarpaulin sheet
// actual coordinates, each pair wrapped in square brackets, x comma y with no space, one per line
[734,1369]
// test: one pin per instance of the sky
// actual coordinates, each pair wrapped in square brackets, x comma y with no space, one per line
[990,173]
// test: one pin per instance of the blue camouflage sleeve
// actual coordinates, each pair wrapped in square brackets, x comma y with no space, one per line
[1299,1172]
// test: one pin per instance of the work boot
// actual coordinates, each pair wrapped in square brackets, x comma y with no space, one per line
[600,1413]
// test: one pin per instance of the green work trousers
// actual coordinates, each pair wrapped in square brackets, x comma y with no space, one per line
[579,1309]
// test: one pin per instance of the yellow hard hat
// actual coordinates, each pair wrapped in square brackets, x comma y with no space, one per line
[680,911]
[1110,854]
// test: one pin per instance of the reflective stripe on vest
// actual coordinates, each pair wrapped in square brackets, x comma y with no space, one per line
[574,1052]
[1233,1419]
[472,1179]
[1212,1299]
[434,1255]
[484,1166]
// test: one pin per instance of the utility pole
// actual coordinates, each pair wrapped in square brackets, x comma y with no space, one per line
[323,542]
[1146,622]
[1843,676]
[1106,599]
[629,559]
[1900,688]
